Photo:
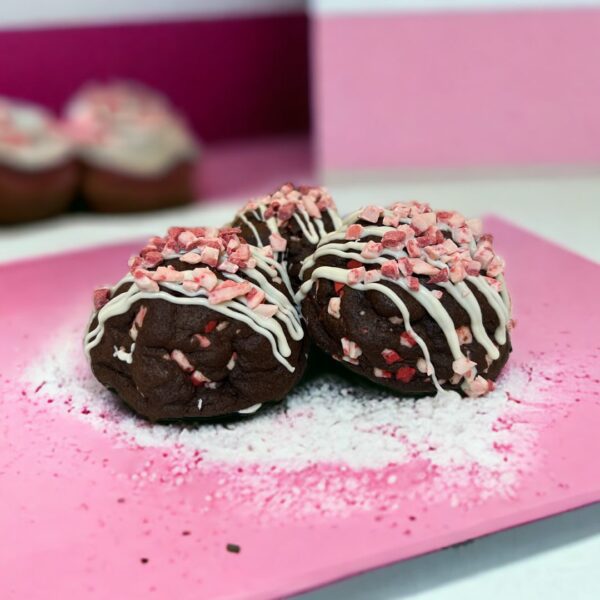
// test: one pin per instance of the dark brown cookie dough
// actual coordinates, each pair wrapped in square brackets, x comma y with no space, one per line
[425,264]
[292,221]
[169,360]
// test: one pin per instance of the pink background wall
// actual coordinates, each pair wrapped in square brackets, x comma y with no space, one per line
[238,76]
[457,89]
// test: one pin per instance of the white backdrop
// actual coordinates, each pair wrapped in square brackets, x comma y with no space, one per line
[33,13]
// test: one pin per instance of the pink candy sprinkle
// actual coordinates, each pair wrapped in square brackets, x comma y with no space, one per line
[351,349]
[371,213]
[356,275]
[406,339]
[463,365]
[209,256]
[390,356]
[457,272]
[191,258]
[420,267]
[181,359]
[390,269]
[228,290]
[413,248]
[254,297]
[382,373]
[423,221]
[198,378]
[203,340]
[393,239]
[101,297]
[413,283]
[372,249]
[278,243]
[333,308]
[354,232]
[372,276]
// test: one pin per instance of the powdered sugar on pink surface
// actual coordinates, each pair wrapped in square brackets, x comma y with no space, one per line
[332,447]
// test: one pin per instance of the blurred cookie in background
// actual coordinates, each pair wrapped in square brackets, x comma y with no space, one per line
[137,153]
[38,172]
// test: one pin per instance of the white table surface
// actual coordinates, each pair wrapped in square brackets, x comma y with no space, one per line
[556,558]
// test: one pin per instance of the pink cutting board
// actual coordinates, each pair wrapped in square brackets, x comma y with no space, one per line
[85,513]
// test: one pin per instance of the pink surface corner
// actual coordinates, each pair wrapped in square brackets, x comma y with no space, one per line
[74,506]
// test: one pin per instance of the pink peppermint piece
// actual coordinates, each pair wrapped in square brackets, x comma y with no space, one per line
[401,209]
[278,243]
[390,269]
[254,297]
[472,267]
[228,267]
[463,365]
[495,267]
[311,207]
[189,285]
[233,244]
[267,251]
[462,235]
[286,211]
[494,283]
[144,283]
[440,277]
[420,267]
[333,308]
[198,378]
[232,361]
[140,316]
[393,239]
[241,254]
[354,232]
[413,248]
[351,349]
[382,373]
[202,340]
[228,290]
[372,250]
[101,297]
[356,275]
[390,356]
[209,256]
[181,359]
[476,226]
[372,276]
[451,218]
[413,283]
[191,258]
[266,310]
[464,334]
[370,213]
[423,221]
[437,294]
[457,272]
[405,266]
[185,238]
[392,220]
[406,339]
[434,252]
[205,277]
[151,259]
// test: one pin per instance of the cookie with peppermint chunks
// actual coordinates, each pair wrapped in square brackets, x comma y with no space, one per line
[202,326]
[411,298]
[290,222]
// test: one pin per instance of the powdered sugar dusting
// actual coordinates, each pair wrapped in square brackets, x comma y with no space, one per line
[332,447]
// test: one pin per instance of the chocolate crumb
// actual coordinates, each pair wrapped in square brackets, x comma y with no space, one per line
[233,548]
[144,560]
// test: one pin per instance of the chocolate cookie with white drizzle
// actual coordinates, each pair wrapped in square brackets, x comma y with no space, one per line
[203,326]
[411,298]
[291,221]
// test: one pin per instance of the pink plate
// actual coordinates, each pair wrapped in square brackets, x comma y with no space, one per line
[95,503]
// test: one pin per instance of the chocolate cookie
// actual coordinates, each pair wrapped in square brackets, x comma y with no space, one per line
[292,221]
[412,299]
[203,326]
